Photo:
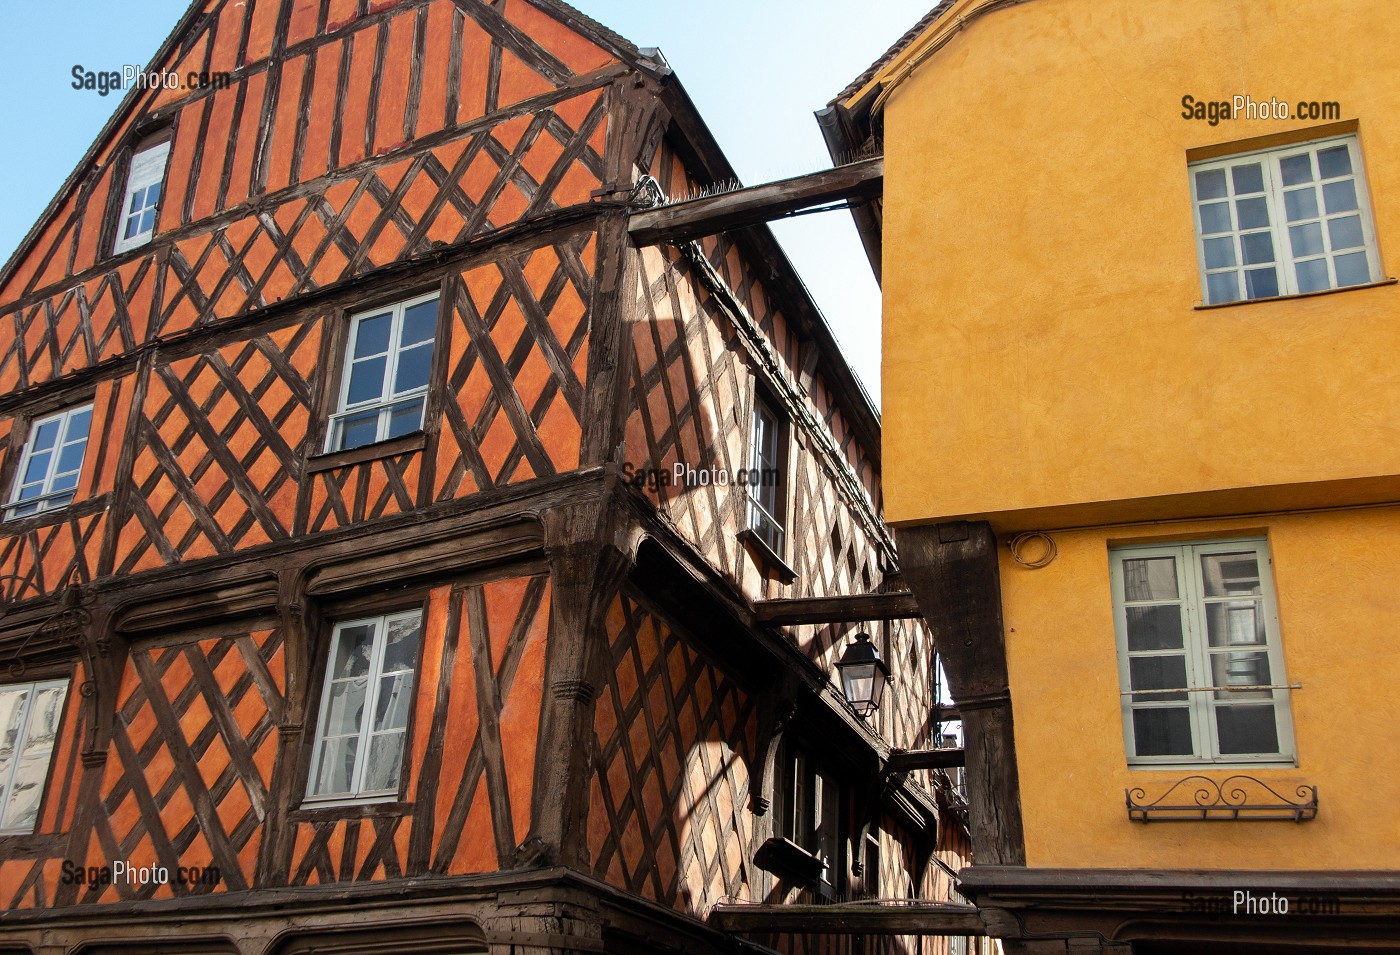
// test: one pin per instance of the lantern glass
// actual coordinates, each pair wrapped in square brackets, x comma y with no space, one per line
[863,675]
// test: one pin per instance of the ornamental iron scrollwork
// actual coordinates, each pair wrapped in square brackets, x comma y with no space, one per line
[1234,798]
[70,625]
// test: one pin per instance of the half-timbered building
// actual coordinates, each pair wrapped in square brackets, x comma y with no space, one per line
[390,540]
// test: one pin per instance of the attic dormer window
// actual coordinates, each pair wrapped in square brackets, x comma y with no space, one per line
[137,220]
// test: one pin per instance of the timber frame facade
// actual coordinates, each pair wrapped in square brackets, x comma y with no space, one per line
[596,739]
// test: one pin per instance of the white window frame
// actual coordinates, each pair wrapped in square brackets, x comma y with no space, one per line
[767,432]
[1285,262]
[147,170]
[1200,697]
[387,399]
[10,771]
[374,677]
[48,498]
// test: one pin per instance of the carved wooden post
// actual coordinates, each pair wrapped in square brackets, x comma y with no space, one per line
[591,547]
[952,570]
[275,853]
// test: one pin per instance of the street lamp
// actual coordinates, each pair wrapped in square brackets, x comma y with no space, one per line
[863,675]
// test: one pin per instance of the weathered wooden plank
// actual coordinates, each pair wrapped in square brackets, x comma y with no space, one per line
[691,219]
[931,918]
[903,760]
[846,608]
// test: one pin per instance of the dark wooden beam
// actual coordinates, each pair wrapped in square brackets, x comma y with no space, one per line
[848,608]
[860,918]
[903,760]
[694,218]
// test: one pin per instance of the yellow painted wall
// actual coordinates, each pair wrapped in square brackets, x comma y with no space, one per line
[1335,575]
[1042,351]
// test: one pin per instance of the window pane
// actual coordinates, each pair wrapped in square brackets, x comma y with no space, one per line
[1339,196]
[1154,628]
[1352,269]
[1150,578]
[1312,276]
[64,482]
[1252,213]
[401,648]
[385,761]
[366,380]
[1334,162]
[1215,218]
[372,335]
[415,364]
[1220,253]
[12,702]
[133,227]
[1232,623]
[406,418]
[1261,283]
[1240,668]
[78,424]
[45,435]
[1229,575]
[353,651]
[419,323]
[1258,247]
[1162,731]
[1157,673]
[1301,204]
[1345,233]
[1223,287]
[33,760]
[71,457]
[1248,178]
[1210,184]
[346,713]
[38,467]
[1306,240]
[395,695]
[1296,169]
[337,770]
[1246,729]
[357,430]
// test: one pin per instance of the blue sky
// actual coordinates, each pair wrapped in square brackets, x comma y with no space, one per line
[756,69]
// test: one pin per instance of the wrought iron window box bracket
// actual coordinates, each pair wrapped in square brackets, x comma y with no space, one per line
[1236,798]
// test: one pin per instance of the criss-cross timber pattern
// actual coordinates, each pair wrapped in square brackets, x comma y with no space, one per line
[517,367]
[351,134]
[218,450]
[84,325]
[690,405]
[669,816]
[398,209]
[190,764]
[471,761]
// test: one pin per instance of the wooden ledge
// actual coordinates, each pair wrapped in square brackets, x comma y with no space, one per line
[414,441]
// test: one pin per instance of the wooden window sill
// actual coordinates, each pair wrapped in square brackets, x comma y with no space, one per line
[414,441]
[772,562]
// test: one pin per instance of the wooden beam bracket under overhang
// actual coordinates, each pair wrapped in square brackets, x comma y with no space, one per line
[709,215]
[846,608]
[870,917]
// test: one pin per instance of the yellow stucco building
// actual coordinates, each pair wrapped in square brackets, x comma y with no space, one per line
[1142,451]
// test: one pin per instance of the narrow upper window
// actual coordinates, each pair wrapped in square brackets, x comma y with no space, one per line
[811,815]
[52,461]
[384,386]
[1283,222]
[765,476]
[29,718]
[1199,655]
[142,197]
[364,708]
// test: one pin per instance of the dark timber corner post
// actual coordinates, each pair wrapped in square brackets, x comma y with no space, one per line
[952,570]
[591,547]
